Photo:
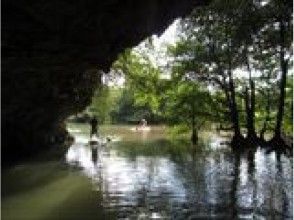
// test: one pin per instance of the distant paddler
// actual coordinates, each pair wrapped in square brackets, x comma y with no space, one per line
[94,127]
[142,125]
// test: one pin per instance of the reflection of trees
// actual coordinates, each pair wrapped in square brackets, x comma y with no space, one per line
[234,197]
[94,151]
[145,196]
[217,182]
[205,172]
[169,178]
[258,188]
[252,176]
[280,175]
[248,189]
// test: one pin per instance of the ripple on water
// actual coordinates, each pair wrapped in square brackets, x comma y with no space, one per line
[187,184]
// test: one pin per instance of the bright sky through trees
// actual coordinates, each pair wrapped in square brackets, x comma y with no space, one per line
[158,56]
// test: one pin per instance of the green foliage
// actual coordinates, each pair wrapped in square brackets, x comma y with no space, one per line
[127,111]
[226,36]
[142,91]
[177,102]
[103,103]
[216,42]
[187,101]
[142,78]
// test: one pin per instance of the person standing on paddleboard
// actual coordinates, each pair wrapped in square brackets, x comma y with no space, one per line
[94,127]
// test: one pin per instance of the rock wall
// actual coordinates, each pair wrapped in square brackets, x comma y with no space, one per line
[52,51]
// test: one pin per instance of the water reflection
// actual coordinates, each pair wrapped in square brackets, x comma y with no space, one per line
[94,155]
[161,179]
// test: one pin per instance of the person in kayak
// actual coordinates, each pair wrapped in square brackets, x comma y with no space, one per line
[142,124]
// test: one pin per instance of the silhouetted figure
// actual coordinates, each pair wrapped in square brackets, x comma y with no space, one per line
[94,127]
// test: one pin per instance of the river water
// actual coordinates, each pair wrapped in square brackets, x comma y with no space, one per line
[147,175]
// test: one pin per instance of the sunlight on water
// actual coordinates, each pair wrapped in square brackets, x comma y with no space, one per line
[149,176]
[74,130]
[191,183]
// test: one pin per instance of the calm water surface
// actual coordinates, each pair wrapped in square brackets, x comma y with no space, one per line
[149,176]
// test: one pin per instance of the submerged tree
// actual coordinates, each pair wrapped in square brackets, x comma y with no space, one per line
[188,103]
[226,38]
[208,53]
[241,51]
[176,101]
[281,13]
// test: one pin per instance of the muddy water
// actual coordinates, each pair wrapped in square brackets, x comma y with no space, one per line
[149,176]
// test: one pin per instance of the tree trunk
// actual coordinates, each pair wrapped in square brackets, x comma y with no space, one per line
[282,86]
[237,138]
[267,118]
[194,136]
[268,97]
[233,107]
[249,119]
[267,111]
[250,105]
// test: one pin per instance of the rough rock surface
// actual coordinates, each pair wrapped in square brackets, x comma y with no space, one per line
[51,53]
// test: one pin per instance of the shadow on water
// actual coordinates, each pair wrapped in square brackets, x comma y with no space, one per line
[47,191]
[155,177]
